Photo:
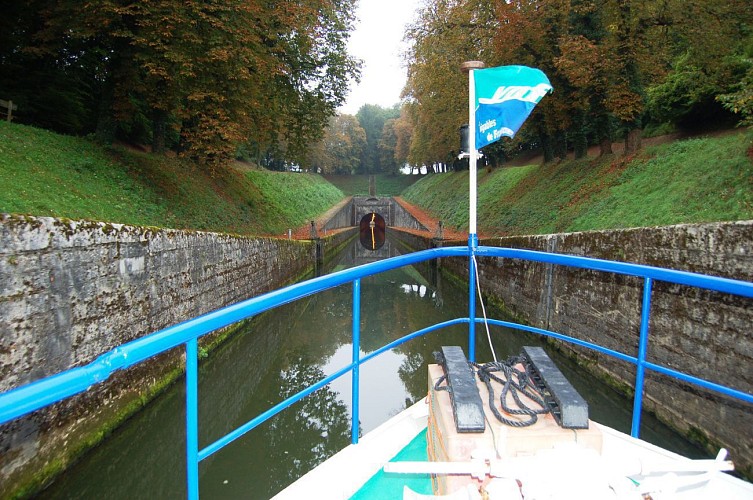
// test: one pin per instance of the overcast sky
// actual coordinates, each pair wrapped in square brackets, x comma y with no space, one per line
[378,41]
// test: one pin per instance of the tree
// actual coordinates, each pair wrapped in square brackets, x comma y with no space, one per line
[528,34]
[583,63]
[372,119]
[629,55]
[403,135]
[271,73]
[216,75]
[741,100]
[446,34]
[341,148]
[53,81]
[608,61]
[315,71]
[387,146]
[710,48]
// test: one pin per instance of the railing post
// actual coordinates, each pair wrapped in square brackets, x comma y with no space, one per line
[472,245]
[356,360]
[192,418]
[641,361]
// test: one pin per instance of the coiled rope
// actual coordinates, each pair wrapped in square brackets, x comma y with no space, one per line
[514,383]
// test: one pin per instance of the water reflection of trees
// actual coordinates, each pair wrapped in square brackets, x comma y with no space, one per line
[405,302]
[413,374]
[301,439]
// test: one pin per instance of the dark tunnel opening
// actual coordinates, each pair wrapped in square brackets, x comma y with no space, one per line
[372,231]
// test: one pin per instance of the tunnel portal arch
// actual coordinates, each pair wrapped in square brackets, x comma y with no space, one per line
[371,231]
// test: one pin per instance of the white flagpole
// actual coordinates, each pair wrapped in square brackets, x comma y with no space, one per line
[470,66]
[472,151]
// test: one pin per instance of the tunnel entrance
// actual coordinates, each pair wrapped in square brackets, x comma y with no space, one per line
[372,231]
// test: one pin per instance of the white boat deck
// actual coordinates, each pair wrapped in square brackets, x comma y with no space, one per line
[341,476]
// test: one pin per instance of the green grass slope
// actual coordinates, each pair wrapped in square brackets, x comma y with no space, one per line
[386,185]
[46,174]
[694,180]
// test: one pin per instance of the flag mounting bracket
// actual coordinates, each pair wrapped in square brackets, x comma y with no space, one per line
[462,155]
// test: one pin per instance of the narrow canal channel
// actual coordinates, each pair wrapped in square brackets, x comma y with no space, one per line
[287,349]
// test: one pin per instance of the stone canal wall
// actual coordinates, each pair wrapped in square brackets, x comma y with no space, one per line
[402,218]
[340,219]
[697,332]
[72,290]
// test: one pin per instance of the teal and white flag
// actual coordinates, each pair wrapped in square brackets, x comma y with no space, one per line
[505,96]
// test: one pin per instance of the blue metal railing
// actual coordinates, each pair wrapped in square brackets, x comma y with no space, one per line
[23,400]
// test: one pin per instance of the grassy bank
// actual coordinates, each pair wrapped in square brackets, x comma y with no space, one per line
[47,174]
[386,185]
[694,180]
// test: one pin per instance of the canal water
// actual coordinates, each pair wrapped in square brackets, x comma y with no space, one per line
[279,353]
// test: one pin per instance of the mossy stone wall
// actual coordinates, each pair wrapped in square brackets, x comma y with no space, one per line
[73,290]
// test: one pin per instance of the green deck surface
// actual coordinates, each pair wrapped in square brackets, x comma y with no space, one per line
[390,485]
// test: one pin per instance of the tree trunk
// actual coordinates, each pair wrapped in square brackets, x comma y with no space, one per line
[603,126]
[580,140]
[580,146]
[633,141]
[105,128]
[560,145]
[159,123]
[546,146]
[494,161]
[605,146]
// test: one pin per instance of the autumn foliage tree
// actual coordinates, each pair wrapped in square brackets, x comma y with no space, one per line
[403,127]
[199,77]
[341,148]
[615,66]
[387,148]
[446,33]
